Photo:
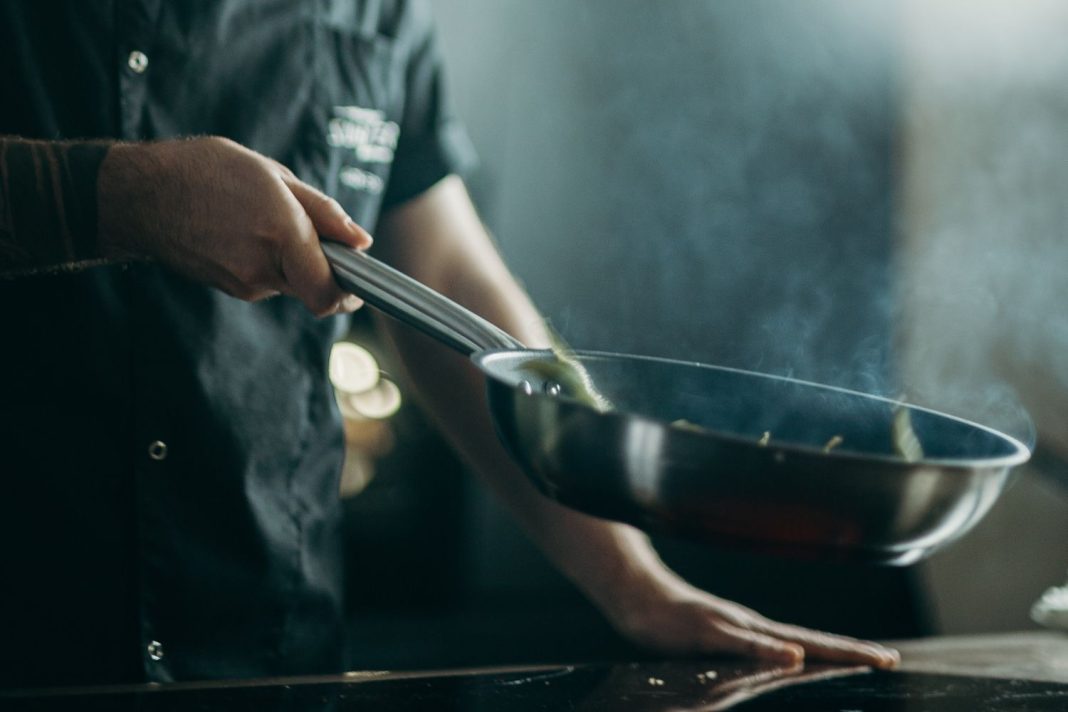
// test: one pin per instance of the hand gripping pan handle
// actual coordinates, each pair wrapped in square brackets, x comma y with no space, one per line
[415,304]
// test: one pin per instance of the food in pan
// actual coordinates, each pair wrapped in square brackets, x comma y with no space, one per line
[684,424]
[565,374]
[906,444]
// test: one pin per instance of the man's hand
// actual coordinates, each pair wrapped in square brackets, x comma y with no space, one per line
[219,213]
[669,615]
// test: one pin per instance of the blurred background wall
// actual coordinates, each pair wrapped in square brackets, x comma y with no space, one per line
[869,194]
[983,259]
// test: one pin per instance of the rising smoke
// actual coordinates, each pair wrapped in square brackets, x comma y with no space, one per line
[984,211]
[864,194]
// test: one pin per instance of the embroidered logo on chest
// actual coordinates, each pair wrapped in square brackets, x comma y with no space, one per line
[372,139]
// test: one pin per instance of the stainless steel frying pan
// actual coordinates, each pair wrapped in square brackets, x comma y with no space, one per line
[713,479]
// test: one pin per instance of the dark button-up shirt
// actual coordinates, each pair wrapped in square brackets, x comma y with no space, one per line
[170,455]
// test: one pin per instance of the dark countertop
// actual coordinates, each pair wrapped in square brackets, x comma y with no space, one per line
[1026,671]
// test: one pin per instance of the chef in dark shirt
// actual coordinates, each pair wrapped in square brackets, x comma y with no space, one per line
[171,449]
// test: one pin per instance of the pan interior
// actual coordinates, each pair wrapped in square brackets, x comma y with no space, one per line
[747,405]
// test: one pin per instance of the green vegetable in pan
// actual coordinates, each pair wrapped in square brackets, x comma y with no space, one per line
[565,374]
[906,444]
[568,373]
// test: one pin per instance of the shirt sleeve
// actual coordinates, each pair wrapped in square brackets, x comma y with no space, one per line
[433,143]
[48,205]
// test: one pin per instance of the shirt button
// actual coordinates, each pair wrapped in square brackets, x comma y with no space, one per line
[158,450]
[137,61]
[155,650]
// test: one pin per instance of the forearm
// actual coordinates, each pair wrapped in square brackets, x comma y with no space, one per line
[600,557]
[48,204]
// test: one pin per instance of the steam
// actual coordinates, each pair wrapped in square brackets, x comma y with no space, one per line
[985,181]
[871,195]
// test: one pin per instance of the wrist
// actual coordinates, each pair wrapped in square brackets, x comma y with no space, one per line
[628,578]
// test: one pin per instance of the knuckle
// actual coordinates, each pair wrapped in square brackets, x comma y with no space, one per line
[331,204]
[323,204]
[282,168]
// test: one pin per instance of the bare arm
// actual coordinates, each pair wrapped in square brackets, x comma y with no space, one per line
[438,239]
[206,207]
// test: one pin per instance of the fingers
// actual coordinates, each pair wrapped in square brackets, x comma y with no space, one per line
[790,644]
[308,274]
[721,636]
[304,266]
[685,619]
[327,216]
[255,228]
[834,648]
[738,630]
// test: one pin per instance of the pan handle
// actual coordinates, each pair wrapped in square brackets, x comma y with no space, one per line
[415,304]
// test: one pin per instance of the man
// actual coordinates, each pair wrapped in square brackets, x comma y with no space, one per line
[171,447]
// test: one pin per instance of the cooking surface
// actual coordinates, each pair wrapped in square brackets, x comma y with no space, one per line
[1021,671]
[676,686]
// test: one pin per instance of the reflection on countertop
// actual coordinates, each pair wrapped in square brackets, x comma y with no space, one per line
[977,683]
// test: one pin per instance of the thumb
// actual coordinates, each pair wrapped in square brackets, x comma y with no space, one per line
[328,217]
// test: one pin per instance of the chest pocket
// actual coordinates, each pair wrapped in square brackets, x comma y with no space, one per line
[353,122]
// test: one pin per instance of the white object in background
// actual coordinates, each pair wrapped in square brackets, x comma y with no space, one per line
[1052,609]
[379,403]
[365,400]
[352,368]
